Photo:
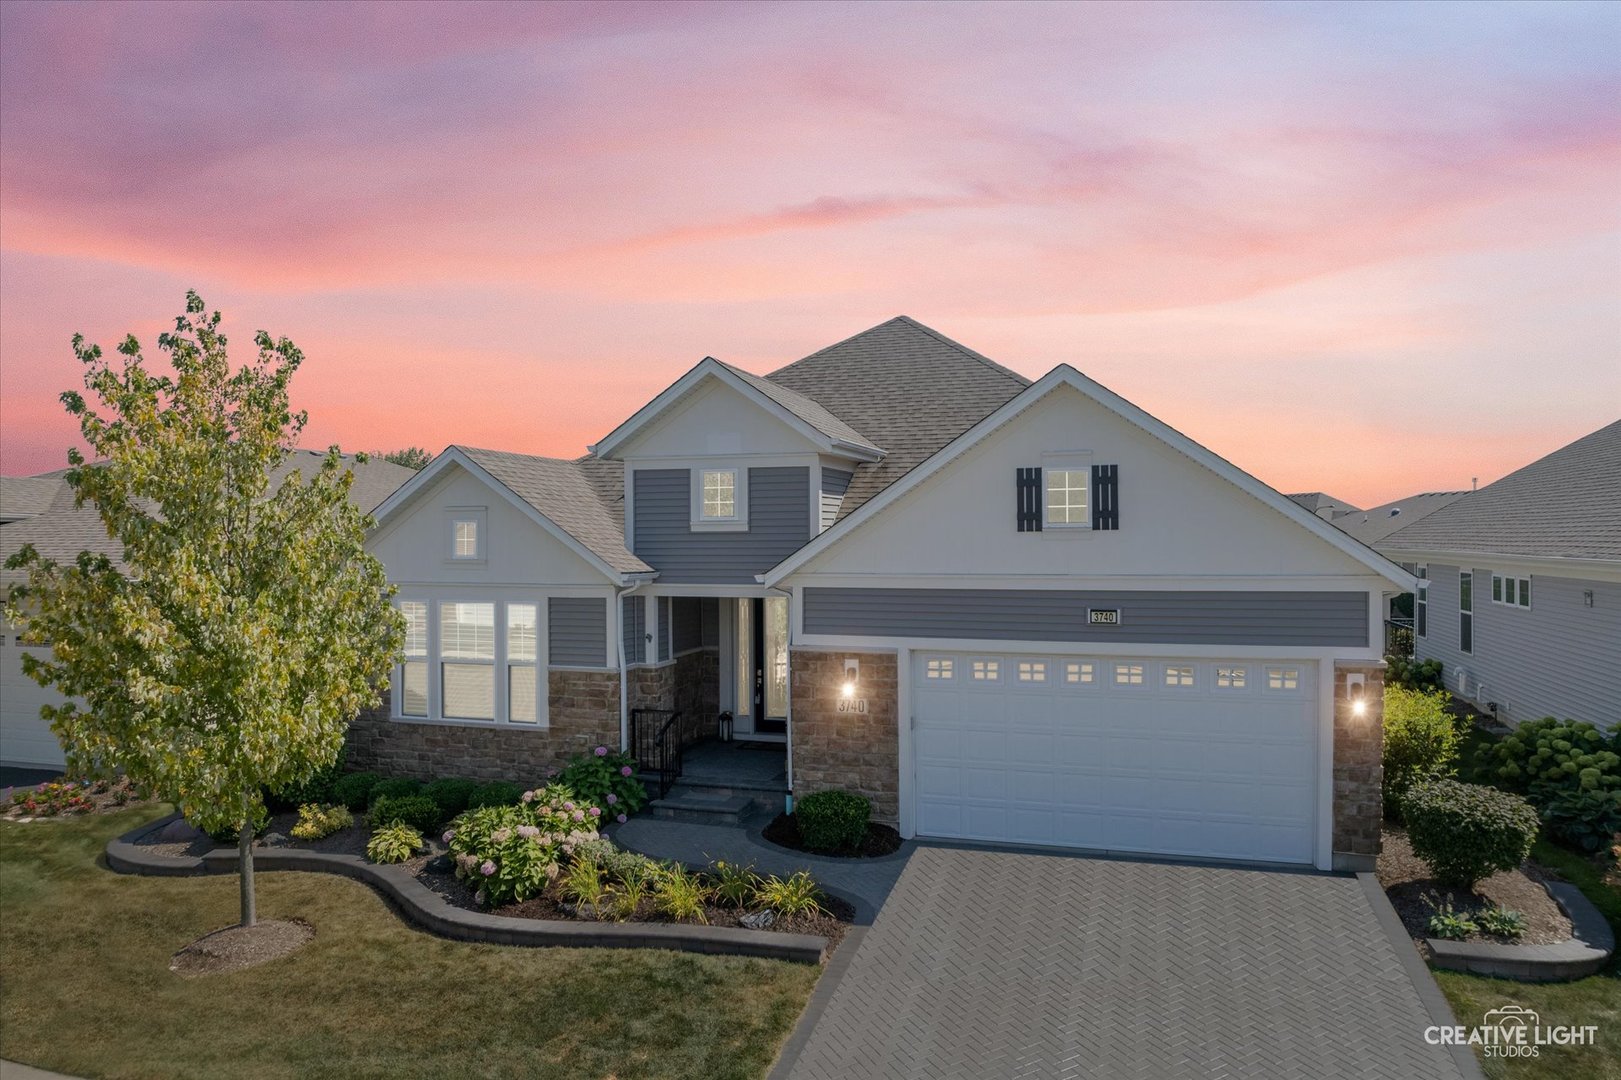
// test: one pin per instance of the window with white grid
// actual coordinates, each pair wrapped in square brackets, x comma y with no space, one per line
[414,668]
[1078,671]
[1128,674]
[1032,671]
[1281,678]
[937,667]
[467,660]
[1067,493]
[1179,675]
[985,670]
[1231,678]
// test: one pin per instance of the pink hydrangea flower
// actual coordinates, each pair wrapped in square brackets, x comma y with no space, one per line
[450,834]
[529,796]
[528,832]
[501,836]
[602,751]
[595,812]
[488,869]
[612,798]
[568,806]
[624,770]
[621,819]
[579,815]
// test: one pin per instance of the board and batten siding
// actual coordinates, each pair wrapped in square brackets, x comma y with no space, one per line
[779,524]
[835,482]
[1558,657]
[1171,617]
[633,622]
[576,631]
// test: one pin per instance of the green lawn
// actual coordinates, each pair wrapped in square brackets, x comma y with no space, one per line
[85,986]
[1594,1000]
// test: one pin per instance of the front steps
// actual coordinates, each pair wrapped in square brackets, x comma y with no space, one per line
[716,804]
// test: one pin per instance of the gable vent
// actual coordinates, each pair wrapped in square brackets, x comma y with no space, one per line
[1028,490]
[1105,496]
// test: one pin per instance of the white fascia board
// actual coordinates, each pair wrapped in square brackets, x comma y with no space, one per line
[1064,375]
[454,455]
[710,368]
[1580,569]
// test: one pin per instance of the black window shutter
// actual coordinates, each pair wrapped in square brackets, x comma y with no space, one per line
[1028,489]
[1105,496]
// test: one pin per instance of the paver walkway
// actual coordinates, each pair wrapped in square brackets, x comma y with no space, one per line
[991,964]
[863,882]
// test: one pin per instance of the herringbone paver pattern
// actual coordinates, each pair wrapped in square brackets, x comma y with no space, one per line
[1004,964]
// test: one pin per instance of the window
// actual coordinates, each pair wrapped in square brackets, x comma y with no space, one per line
[985,670]
[523,695]
[1511,591]
[467,660]
[1421,602]
[1078,671]
[1067,491]
[719,495]
[1466,611]
[466,540]
[1178,675]
[1033,671]
[1282,678]
[414,669]
[1231,678]
[1128,674]
[937,667]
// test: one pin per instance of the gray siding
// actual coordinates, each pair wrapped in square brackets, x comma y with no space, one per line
[1184,618]
[835,482]
[634,625]
[664,627]
[1557,658]
[686,622]
[779,524]
[577,631]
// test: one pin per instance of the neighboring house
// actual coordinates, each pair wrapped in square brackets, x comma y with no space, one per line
[39,510]
[1523,602]
[1003,610]
[1373,525]
[1324,506]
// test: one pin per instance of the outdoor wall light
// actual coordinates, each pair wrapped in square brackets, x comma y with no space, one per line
[1355,687]
[852,668]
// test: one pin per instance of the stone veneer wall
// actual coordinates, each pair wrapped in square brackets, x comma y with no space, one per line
[583,713]
[652,687]
[859,752]
[1358,767]
[697,683]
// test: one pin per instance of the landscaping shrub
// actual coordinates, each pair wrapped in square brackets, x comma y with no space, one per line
[509,853]
[1502,922]
[229,834]
[395,842]
[1467,832]
[680,895]
[394,787]
[56,797]
[417,811]
[605,779]
[494,793]
[734,886]
[1584,820]
[1451,925]
[797,894]
[1411,674]
[833,820]
[1421,741]
[451,795]
[316,821]
[319,788]
[354,789]
[1545,757]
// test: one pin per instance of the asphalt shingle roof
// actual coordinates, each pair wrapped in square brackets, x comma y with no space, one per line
[577,496]
[812,412]
[1317,500]
[1377,522]
[26,496]
[1566,506]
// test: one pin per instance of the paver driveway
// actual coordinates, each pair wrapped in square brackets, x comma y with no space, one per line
[1007,964]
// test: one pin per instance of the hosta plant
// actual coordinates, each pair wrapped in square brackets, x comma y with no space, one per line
[316,821]
[510,853]
[393,843]
[1451,925]
[1502,922]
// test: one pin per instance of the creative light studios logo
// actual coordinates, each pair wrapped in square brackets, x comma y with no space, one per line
[1512,1031]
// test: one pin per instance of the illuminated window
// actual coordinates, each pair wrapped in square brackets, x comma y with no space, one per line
[719,495]
[1231,678]
[1032,671]
[1078,671]
[1178,675]
[1279,678]
[1128,674]
[986,670]
[937,667]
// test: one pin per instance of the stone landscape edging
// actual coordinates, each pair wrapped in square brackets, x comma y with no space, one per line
[1590,947]
[430,911]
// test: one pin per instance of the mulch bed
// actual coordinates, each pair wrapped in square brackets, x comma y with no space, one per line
[880,840]
[1415,895]
[179,839]
[65,798]
[833,925]
[238,947]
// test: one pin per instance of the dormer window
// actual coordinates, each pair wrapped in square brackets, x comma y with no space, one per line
[720,499]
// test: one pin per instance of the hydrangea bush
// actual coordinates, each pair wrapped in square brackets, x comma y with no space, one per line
[510,853]
[607,780]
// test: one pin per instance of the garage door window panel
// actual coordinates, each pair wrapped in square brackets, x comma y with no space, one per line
[1080,673]
[1128,674]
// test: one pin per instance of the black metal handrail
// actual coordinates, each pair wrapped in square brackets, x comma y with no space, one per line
[1398,636]
[659,739]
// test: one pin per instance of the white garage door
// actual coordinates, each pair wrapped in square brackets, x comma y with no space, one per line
[25,739]
[1183,757]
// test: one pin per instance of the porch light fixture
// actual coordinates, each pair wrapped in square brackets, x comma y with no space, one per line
[1355,685]
[852,668]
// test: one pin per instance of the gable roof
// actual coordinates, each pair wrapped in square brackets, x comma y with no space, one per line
[908,387]
[1566,505]
[566,498]
[808,417]
[1378,522]
[1317,501]
[27,496]
[1064,375]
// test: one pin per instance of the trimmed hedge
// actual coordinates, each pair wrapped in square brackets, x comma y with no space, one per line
[395,787]
[354,789]
[418,811]
[832,820]
[451,795]
[495,793]
[1467,832]
[1421,741]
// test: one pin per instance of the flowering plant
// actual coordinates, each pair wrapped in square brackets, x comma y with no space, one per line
[510,853]
[606,780]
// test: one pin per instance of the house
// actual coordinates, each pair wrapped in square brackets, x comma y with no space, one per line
[1324,506]
[1520,587]
[39,510]
[1004,610]
[1373,525]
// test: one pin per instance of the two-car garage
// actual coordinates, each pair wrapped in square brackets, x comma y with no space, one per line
[1180,756]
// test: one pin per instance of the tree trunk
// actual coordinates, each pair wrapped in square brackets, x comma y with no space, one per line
[244,853]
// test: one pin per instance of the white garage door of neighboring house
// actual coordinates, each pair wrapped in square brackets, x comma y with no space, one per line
[1183,757]
[25,739]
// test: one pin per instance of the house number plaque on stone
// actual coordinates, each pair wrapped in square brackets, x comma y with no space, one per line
[852,705]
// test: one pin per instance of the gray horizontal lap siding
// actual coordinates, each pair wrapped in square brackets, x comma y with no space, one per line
[779,524]
[835,482]
[1558,657]
[576,631]
[1186,618]
[634,624]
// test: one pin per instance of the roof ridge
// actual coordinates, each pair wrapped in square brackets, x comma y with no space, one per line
[906,320]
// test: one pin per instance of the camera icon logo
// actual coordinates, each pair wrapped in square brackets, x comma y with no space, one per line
[1511,1017]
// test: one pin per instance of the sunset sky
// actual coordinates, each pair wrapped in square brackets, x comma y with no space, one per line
[1368,249]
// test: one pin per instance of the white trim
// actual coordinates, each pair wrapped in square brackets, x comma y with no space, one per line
[1082,582]
[1325,763]
[1469,611]
[1064,375]
[738,520]
[710,368]
[1580,569]
[1522,587]
[825,642]
[1066,461]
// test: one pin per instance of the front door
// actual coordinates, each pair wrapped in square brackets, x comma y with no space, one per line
[762,665]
